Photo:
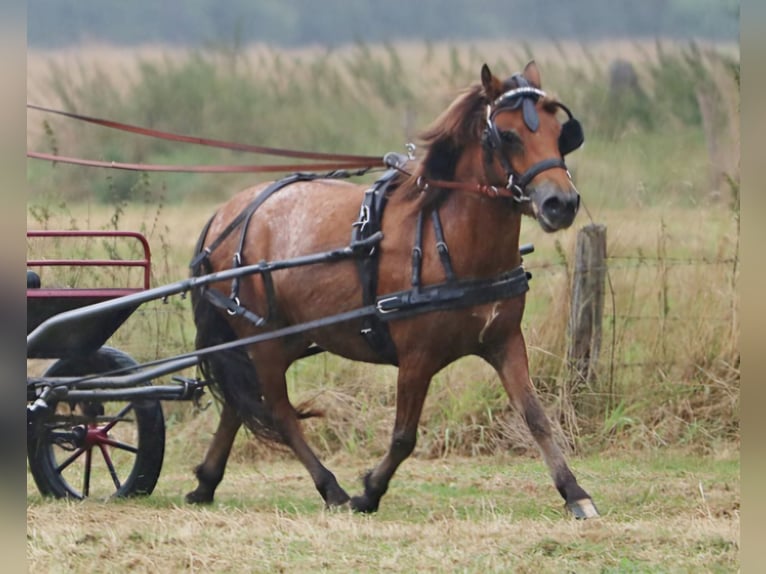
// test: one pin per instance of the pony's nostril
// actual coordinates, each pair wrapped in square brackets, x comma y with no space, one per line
[552,207]
[560,210]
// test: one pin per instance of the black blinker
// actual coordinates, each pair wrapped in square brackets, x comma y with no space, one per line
[571,136]
[528,110]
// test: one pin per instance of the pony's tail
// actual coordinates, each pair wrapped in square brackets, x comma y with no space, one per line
[230,374]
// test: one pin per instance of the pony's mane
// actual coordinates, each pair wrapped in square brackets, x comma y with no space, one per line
[459,125]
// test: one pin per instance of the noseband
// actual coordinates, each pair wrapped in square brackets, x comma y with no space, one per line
[526,96]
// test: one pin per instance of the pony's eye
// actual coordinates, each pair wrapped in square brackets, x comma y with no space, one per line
[511,137]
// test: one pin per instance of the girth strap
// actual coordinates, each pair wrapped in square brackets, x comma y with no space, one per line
[453,295]
[373,330]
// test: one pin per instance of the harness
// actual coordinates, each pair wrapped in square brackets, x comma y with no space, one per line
[377,310]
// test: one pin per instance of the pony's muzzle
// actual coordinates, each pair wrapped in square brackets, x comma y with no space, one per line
[554,208]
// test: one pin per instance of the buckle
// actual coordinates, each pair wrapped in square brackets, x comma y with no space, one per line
[364,218]
[380,304]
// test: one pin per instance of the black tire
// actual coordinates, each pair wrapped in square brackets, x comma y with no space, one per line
[96,449]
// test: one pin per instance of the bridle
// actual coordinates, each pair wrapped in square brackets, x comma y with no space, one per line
[525,96]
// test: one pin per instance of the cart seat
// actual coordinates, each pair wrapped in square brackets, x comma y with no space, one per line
[33,280]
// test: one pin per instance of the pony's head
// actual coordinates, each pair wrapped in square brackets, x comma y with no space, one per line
[524,145]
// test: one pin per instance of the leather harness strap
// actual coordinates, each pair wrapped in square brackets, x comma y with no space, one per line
[231,304]
[374,331]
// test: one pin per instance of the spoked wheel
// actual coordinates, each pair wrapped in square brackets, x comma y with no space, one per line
[95,449]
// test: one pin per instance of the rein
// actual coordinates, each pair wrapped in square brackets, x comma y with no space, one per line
[329,160]
[206,168]
[515,189]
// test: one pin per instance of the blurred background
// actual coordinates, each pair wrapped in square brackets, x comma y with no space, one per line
[290,23]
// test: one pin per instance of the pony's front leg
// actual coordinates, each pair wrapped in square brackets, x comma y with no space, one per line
[210,471]
[411,390]
[511,363]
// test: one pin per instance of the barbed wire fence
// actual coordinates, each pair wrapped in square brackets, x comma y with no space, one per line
[665,322]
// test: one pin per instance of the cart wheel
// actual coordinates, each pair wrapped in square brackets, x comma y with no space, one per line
[98,449]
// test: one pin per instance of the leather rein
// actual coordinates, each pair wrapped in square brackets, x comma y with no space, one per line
[328,160]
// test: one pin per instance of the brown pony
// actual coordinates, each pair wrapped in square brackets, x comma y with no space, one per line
[494,155]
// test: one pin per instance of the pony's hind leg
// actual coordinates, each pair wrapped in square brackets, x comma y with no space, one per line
[411,388]
[286,422]
[512,365]
[210,471]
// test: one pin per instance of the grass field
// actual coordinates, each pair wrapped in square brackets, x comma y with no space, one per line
[663,468]
[662,512]
[654,439]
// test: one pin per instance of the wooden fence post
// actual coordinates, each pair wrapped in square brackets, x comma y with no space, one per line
[587,306]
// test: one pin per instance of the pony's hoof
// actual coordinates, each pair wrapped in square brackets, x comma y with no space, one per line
[197,497]
[363,504]
[583,509]
[338,502]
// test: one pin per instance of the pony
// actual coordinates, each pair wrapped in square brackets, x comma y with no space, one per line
[494,155]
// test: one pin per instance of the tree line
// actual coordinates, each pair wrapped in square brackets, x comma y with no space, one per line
[58,23]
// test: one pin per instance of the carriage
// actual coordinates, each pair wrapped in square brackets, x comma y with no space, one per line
[417,270]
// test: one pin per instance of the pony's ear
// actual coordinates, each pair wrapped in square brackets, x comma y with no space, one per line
[532,74]
[492,86]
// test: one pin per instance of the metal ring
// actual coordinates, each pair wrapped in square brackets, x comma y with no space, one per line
[230,311]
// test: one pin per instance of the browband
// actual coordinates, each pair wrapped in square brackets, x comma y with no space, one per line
[517,92]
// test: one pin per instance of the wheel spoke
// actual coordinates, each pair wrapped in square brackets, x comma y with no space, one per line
[86,474]
[119,444]
[74,456]
[117,417]
[110,466]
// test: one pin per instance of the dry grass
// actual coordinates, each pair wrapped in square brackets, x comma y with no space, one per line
[676,345]
[122,61]
[466,515]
